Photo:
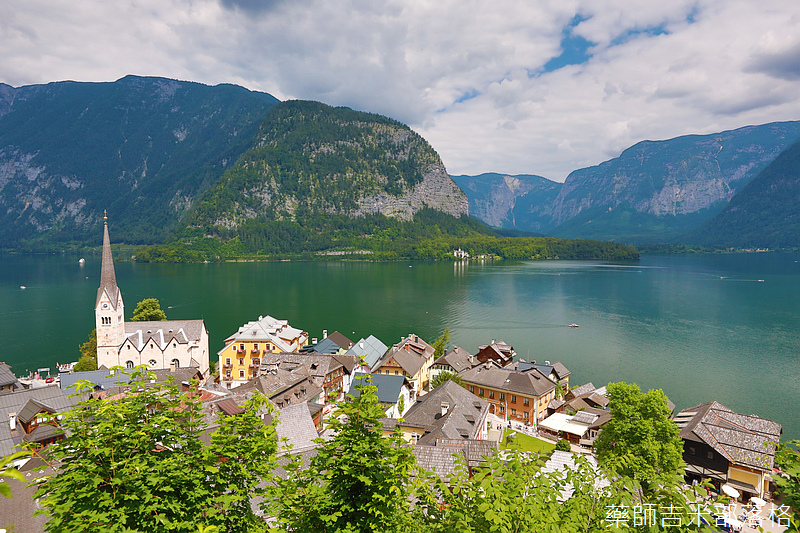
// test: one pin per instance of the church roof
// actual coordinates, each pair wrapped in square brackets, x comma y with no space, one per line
[163,332]
[108,277]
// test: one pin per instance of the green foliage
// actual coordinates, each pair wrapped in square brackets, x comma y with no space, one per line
[443,377]
[641,439]
[88,359]
[787,458]
[8,471]
[148,309]
[137,464]
[360,481]
[563,445]
[440,344]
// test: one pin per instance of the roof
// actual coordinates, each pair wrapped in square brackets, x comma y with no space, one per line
[340,340]
[531,383]
[269,329]
[297,427]
[318,365]
[326,346]
[583,389]
[371,349]
[410,354]
[746,440]
[561,422]
[229,407]
[163,333]
[389,387]
[465,411]
[14,402]
[441,457]
[108,277]
[283,387]
[7,377]
[458,359]
[31,408]
[561,461]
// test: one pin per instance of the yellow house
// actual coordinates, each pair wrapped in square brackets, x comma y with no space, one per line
[240,359]
[412,358]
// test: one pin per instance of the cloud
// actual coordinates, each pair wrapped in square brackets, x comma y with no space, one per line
[540,87]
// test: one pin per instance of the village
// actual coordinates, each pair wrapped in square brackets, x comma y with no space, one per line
[450,404]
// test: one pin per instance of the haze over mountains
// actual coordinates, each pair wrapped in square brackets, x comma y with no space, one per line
[170,158]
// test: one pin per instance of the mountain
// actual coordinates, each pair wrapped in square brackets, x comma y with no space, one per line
[654,191]
[512,202]
[143,148]
[311,160]
[764,214]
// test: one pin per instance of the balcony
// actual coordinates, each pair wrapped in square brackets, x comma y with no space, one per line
[255,350]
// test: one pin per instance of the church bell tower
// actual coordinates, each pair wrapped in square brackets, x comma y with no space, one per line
[109,311]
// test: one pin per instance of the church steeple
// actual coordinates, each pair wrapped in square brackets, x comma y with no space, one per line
[108,309]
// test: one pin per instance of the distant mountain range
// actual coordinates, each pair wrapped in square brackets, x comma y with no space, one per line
[655,191]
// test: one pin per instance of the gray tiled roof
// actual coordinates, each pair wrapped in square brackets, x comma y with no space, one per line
[411,354]
[389,387]
[458,359]
[531,383]
[7,377]
[583,389]
[462,412]
[14,402]
[371,349]
[163,332]
[297,427]
[742,439]
[442,457]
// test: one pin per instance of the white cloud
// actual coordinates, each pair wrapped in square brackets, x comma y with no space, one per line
[466,74]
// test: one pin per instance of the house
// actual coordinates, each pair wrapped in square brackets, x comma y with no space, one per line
[326,371]
[497,351]
[411,358]
[447,412]
[8,381]
[454,361]
[554,371]
[521,396]
[240,359]
[394,392]
[31,416]
[579,429]
[284,387]
[157,344]
[370,350]
[728,448]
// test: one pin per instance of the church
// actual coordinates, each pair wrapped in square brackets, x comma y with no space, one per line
[158,344]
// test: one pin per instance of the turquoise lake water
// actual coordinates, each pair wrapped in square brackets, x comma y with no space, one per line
[702,327]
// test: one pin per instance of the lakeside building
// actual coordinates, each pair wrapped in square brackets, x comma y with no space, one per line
[240,359]
[728,448]
[519,396]
[454,361]
[160,345]
[411,358]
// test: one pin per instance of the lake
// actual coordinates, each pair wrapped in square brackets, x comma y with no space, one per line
[722,327]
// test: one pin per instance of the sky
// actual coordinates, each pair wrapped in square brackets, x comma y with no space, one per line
[539,87]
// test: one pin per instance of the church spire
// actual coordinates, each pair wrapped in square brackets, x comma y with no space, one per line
[108,277]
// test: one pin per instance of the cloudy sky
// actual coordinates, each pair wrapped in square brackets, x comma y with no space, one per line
[520,87]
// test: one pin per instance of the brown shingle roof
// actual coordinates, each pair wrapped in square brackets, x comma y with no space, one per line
[532,383]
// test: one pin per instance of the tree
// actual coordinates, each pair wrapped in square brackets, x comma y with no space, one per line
[641,440]
[787,458]
[137,464]
[88,359]
[443,377]
[148,309]
[563,445]
[440,344]
[360,481]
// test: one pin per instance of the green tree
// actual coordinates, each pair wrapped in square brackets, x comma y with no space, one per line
[443,377]
[148,309]
[9,471]
[440,344]
[563,445]
[787,458]
[641,439]
[138,464]
[360,481]
[88,359]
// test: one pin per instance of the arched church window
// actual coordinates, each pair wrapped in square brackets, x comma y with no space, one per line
[152,363]
[176,363]
[129,364]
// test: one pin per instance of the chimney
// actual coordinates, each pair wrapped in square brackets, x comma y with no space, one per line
[471,359]
[445,408]
[12,421]
[314,340]
[361,345]
[324,333]
[489,364]
[547,363]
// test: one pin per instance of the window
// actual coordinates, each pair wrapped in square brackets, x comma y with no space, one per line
[227,360]
[396,373]
[241,360]
[502,396]
[480,393]
[491,394]
[152,363]
[502,410]
[255,346]
[692,451]
[525,415]
[228,374]
[526,402]
[176,363]
[710,454]
[128,364]
[513,398]
[472,389]
[241,373]
[513,412]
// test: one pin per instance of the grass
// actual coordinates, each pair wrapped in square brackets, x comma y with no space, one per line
[526,443]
